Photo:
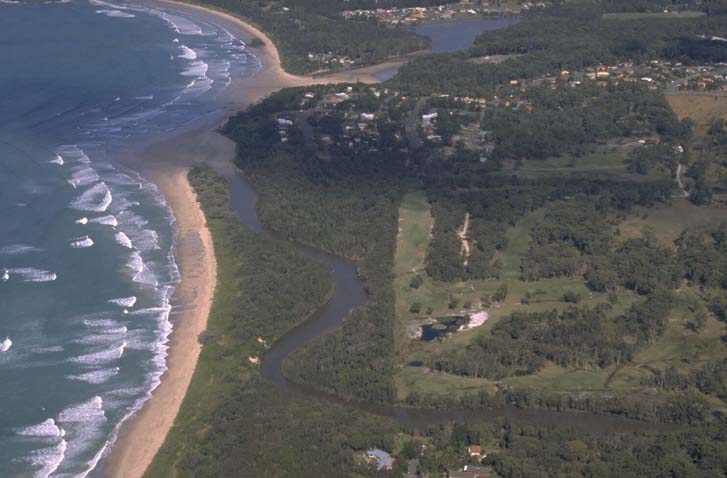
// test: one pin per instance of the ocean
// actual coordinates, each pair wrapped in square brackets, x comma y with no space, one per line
[86,265]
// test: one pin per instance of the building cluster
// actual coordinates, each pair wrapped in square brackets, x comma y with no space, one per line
[330,59]
[356,122]
[439,13]
[708,79]
[373,119]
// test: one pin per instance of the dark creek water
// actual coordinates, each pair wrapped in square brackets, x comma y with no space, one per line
[349,293]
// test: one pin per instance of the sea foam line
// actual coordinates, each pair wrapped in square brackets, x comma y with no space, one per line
[30,274]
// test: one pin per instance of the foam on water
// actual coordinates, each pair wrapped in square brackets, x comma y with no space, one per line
[31,274]
[17,249]
[48,459]
[197,69]
[146,240]
[83,176]
[101,356]
[123,240]
[100,323]
[50,349]
[180,24]
[140,272]
[95,377]
[106,337]
[101,3]
[72,153]
[47,428]
[107,220]
[115,13]
[124,301]
[95,199]
[88,411]
[57,160]
[82,242]
[187,53]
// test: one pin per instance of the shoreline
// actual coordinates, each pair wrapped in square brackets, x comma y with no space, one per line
[166,164]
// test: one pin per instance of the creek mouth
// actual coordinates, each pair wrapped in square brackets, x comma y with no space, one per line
[348,294]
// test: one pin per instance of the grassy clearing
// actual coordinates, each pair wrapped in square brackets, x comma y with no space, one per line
[517,246]
[644,15]
[415,228]
[412,242]
[415,222]
[679,347]
[667,222]
[554,377]
[425,382]
[702,109]
[607,161]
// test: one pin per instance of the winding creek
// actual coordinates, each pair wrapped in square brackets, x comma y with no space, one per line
[349,293]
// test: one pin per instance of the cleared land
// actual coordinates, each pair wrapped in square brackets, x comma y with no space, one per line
[608,161]
[415,223]
[667,222]
[702,109]
[679,347]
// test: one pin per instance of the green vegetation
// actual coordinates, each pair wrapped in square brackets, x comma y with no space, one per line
[643,15]
[231,422]
[554,189]
[311,35]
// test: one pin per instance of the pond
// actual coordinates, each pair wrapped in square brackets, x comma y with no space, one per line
[442,327]
[460,34]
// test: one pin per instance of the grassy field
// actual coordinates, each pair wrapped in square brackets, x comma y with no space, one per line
[702,109]
[425,382]
[608,161]
[641,15]
[679,347]
[667,222]
[415,221]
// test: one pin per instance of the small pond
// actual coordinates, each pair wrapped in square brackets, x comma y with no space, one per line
[442,327]
[460,34]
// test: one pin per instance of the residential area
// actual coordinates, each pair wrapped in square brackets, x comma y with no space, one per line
[440,13]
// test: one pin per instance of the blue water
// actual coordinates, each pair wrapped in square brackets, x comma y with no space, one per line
[86,264]
[460,34]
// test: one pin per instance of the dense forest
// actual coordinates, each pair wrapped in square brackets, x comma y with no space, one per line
[521,451]
[232,423]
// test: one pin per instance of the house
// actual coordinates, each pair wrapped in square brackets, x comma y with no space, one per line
[383,460]
[475,451]
[428,119]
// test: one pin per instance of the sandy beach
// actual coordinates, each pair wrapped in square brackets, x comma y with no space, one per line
[166,164]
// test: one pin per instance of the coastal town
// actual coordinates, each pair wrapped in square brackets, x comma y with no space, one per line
[441,13]
[363,120]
